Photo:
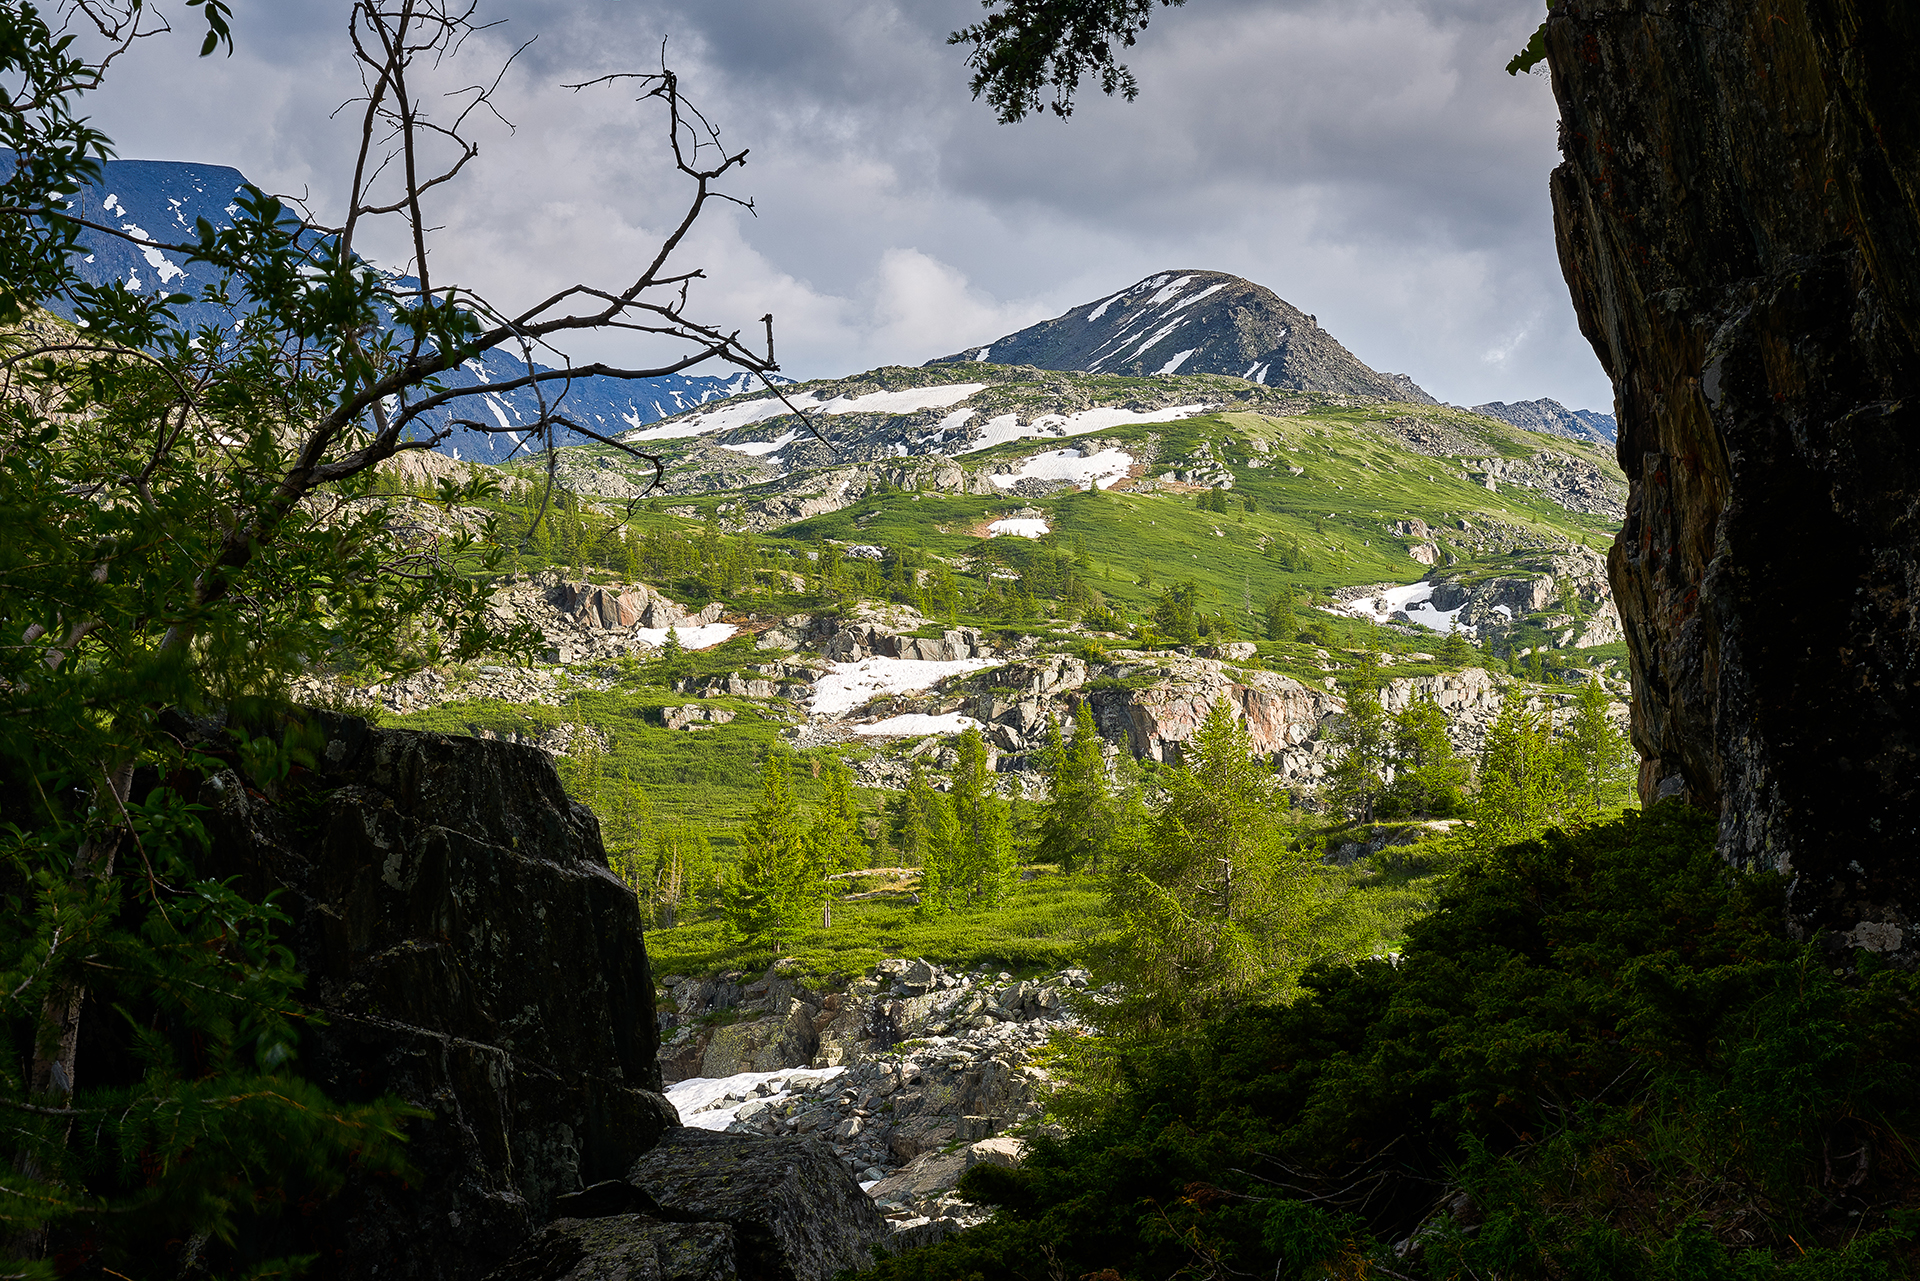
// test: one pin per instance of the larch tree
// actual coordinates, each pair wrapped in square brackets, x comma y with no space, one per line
[1215,907]
[835,842]
[971,845]
[771,887]
[1081,809]
[1364,736]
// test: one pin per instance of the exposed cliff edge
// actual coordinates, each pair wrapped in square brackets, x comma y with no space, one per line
[1738,218]
[471,954]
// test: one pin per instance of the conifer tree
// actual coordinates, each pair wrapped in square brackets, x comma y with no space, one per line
[1521,784]
[835,843]
[1278,618]
[1598,751]
[1213,906]
[1081,813]
[770,889]
[971,851]
[1428,774]
[1363,735]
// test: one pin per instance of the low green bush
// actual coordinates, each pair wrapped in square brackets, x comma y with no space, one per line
[1601,1057]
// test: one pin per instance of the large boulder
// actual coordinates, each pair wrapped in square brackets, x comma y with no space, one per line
[626,1247]
[471,954]
[796,1212]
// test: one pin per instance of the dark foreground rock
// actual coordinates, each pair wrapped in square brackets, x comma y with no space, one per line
[626,1247]
[712,1207]
[471,953]
[1739,224]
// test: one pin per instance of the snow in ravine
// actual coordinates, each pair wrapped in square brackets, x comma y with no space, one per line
[712,1102]
[848,685]
[730,416]
[902,402]
[1098,470]
[757,447]
[1019,527]
[1414,598]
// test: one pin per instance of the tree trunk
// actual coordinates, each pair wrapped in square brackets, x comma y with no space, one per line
[1738,218]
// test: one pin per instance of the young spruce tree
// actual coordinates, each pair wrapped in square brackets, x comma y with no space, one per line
[771,888]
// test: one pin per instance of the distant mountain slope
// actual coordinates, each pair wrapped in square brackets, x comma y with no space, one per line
[162,199]
[1554,418]
[1197,322]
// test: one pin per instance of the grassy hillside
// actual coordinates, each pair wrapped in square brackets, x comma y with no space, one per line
[1318,486]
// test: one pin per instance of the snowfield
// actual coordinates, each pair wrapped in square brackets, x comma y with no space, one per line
[1007,428]
[848,685]
[1098,470]
[705,636]
[1414,598]
[1019,527]
[757,447]
[728,417]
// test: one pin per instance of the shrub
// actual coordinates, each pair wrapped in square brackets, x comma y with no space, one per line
[1600,1057]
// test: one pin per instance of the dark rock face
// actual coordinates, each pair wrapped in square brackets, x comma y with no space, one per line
[471,953]
[712,1207]
[1197,322]
[626,1247]
[1739,222]
[796,1212]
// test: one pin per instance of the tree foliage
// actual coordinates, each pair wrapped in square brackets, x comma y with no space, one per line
[1215,907]
[770,889]
[1031,47]
[1602,1057]
[970,846]
[1082,814]
[191,518]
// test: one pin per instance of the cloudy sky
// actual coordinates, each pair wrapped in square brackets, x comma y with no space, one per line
[1369,160]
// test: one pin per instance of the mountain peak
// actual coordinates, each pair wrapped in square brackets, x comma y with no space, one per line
[1196,322]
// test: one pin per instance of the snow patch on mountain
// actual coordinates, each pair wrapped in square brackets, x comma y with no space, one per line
[849,685]
[1414,599]
[915,724]
[1097,470]
[1008,428]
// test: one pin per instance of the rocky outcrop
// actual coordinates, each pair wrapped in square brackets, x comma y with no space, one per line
[1283,716]
[1575,483]
[1738,218]
[869,631]
[471,954]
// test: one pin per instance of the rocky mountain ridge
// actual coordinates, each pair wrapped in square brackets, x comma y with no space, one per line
[163,199]
[1554,418]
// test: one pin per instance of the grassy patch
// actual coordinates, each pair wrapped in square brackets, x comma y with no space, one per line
[1047,924]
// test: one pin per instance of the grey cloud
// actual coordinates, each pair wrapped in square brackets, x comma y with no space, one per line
[1369,161]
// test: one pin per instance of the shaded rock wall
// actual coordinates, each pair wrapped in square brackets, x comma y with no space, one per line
[1739,223]
[471,953]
